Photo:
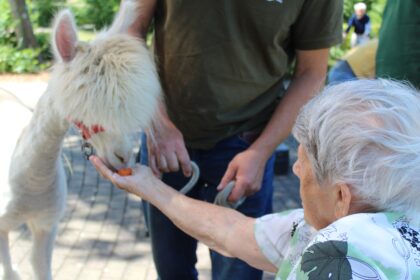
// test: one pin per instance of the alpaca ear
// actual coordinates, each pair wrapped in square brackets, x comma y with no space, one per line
[64,36]
[124,18]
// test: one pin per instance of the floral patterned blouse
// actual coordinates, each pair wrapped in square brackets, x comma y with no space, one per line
[359,246]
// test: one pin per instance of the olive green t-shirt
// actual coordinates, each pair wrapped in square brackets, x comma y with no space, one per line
[222,61]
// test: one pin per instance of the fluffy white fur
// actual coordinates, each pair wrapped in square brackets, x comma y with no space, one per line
[111,81]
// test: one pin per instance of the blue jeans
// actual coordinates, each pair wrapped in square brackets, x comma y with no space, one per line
[341,72]
[174,252]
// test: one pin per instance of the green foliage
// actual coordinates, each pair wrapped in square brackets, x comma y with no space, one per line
[12,58]
[336,53]
[44,39]
[20,61]
[95,12]
[376,11]
[7,34]
[42,11]
[85,35]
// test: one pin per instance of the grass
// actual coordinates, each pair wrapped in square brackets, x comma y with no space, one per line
[85,35]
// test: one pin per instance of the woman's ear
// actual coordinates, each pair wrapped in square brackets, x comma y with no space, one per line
[343,201]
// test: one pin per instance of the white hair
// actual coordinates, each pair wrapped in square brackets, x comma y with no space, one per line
[360,6]
[366,133]
[113,77]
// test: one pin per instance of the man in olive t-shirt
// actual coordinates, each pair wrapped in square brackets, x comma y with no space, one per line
[222,65]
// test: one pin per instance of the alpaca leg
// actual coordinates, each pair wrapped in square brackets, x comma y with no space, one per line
[43,242]
[8,272]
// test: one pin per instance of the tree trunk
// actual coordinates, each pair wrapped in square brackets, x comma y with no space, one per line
[24,31]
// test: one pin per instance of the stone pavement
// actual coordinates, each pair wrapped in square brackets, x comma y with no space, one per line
[103,234]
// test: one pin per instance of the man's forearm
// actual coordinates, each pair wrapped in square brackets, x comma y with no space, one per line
[307,81]
[223,230]
[282,121]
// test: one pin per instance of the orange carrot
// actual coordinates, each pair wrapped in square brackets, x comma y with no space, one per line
[125,172]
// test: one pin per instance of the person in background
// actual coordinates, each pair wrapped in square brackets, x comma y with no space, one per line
[222,65]
[358,165]
[398,55]
[358,63]
[361,23]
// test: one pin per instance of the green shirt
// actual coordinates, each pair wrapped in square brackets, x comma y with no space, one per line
[382,245]
[398,53]
[222,61]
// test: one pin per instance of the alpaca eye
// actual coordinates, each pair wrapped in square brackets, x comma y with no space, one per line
[85,70]
[97,61]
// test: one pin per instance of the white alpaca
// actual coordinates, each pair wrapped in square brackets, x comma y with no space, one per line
[111,88]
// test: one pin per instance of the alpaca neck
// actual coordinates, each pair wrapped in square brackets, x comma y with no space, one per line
[37,153]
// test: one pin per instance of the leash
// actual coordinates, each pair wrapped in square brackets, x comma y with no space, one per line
[221,198]
[17,99]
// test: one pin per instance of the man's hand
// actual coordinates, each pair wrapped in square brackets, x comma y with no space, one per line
[247,169]
[167,151]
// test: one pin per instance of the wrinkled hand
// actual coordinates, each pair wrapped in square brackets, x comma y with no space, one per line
[247,169]
[136,183]
[167,151]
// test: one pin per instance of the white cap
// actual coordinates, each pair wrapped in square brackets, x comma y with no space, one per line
[360,6]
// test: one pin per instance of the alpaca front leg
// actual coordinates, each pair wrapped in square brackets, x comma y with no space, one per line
[43,242]
[8,272]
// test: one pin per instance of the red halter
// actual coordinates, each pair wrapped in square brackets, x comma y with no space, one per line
[87,132]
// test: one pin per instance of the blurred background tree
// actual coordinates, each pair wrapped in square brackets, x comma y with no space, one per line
[16,55]
[95,13]
[22,23]
[43,11]
[25,29]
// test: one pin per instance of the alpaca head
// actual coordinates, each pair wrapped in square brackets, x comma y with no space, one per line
[110,83]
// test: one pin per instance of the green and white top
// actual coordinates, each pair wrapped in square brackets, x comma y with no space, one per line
[359,246]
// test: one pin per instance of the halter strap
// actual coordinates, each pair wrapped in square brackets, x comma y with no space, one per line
[86,131]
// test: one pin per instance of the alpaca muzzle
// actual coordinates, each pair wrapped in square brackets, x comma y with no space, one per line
[86,133]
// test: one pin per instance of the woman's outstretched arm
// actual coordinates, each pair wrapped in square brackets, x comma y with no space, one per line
[224,230]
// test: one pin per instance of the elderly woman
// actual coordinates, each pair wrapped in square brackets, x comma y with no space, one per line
[359,170]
